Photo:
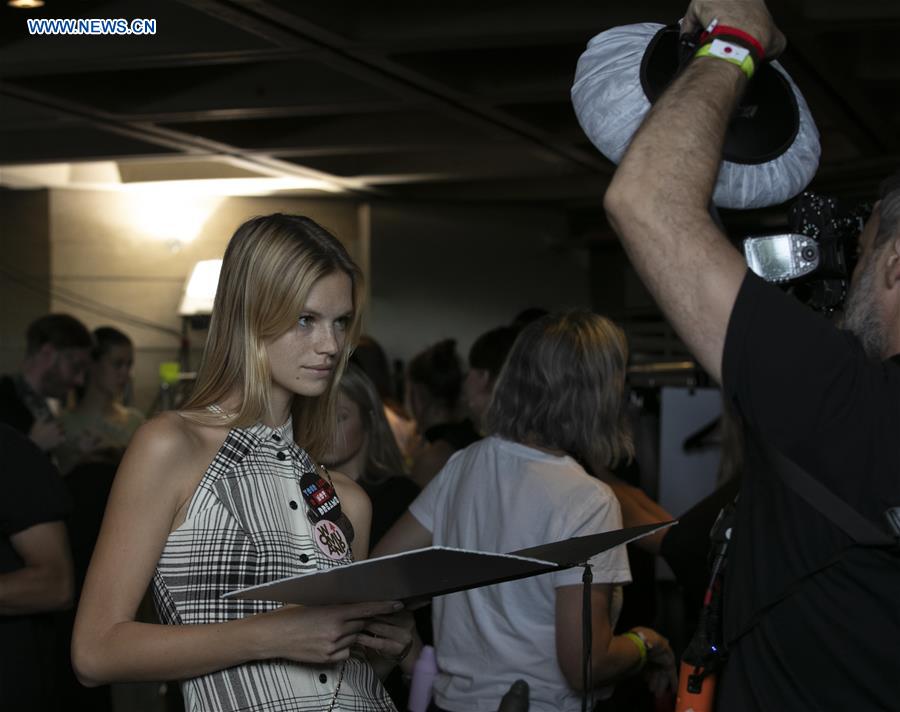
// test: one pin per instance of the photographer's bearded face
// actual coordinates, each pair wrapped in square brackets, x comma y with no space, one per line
[862,315]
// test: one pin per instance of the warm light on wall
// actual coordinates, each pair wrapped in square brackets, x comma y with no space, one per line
[166,201]
[200,290]
[230,186]
[169,216]
[168,177]
[25,4]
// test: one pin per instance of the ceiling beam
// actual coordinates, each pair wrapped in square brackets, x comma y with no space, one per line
[369,66]
[825,78]
[163,60]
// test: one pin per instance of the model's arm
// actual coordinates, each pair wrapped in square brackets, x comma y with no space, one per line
[659,198]
[45,582]
[108,645]
[613,656]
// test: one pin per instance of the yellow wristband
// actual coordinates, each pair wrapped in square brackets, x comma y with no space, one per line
[641,646]
[730,52]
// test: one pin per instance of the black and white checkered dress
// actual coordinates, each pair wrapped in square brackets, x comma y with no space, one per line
[247,524]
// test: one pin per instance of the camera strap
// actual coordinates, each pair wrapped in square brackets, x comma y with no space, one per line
[861,530]
[854,525]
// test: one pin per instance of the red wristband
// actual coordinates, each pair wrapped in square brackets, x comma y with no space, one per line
[733,33]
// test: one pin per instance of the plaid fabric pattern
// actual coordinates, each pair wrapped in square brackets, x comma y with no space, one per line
[246,524]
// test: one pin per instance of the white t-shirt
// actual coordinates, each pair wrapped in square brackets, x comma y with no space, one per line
[500,496]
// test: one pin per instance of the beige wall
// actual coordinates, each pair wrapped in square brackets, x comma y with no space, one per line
[24,269]
[456,271]
[108,248]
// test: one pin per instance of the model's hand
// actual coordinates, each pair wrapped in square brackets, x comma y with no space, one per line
[47,434]
[320,634]
[751,16]
[660,668]
[393,637]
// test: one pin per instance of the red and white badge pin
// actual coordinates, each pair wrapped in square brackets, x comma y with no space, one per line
[330,539]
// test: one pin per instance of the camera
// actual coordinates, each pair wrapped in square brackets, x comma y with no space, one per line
[815,257]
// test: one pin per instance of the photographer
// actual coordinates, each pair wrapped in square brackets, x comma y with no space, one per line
[811,620]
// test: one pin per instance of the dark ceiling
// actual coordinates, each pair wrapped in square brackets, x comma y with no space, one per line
[407,100]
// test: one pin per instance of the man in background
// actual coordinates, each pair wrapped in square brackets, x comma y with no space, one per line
[35,573]
[57,355]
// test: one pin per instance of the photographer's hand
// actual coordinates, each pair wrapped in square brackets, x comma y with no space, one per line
[751,16]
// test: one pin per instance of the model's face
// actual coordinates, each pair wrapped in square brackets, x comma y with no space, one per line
[862,312]
[65,370]
[349,435]
[110,373]
[302,359]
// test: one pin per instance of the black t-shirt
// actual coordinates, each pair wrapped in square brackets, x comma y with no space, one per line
[31,493]
[13,411]
[390,497]
[808,390]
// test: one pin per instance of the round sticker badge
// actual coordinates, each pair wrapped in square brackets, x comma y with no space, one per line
[330,539]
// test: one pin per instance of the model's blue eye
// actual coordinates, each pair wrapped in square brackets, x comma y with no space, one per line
[305,320]
[342,323]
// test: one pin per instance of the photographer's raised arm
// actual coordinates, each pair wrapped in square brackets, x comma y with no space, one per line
[658,201]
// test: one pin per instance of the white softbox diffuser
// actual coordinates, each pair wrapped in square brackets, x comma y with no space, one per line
[610,102]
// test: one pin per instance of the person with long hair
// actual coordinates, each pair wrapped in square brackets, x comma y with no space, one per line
[212,498]
[365,450]
[100,425]
[556,420]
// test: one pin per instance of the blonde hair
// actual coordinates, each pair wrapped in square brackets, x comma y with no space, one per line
[269,268]
[383,458]
[563,387]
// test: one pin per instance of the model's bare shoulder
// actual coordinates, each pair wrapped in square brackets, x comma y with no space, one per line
[167,435]
[173,452]
[348,490]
